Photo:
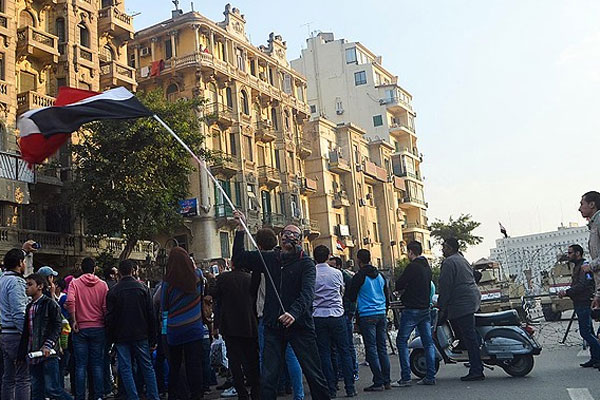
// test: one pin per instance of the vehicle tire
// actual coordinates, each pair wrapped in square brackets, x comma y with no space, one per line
[519,366]
[418,364]
[549,315]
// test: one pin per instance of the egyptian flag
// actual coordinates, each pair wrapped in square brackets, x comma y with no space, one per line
[42,131]
[503,230]
[340,246]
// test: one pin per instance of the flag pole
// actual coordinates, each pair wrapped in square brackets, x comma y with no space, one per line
[202,164]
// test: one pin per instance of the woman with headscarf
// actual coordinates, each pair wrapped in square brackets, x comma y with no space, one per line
[181,305]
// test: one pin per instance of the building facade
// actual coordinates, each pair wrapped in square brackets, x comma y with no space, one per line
[46,45]
[253,116]
[348,84]
[539,251]
[357,202]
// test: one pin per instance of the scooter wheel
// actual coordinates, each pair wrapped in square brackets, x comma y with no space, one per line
[519,366]
[418,363]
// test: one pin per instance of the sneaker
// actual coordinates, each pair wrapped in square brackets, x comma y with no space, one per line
[231,392]
[588,364]
[225,385]
[471,378]
[426,382]
[374,388]
[356,377]
[402,383]
[387,386]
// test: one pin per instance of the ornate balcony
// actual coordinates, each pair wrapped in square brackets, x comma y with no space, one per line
[219,113]
[227,166]
[30,100]
[341,199]
[265,132]
[268,176]
[338,164]
[112,20]
[274,220]
[114,74]
[304,147]
[37,43]
[309,186]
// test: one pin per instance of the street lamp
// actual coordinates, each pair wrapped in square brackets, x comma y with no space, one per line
[161,254]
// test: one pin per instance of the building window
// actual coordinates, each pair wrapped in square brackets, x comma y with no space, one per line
[107,54]
[252,68]
[168,50]
[172,89]
[274,120]
[245,108]
[360,78]
[84,35]
[2,67]
[131,60]
[287,83]
[232,144]
[224,238]
[229,97]
[107,3]
[377,120]
[351,56]
[300,93]
[375,233]
[313,109]
[60,30]
[26,81]
[239,54]
[26,19]
[249,153]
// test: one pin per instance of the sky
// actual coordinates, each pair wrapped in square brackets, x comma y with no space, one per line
[507,94]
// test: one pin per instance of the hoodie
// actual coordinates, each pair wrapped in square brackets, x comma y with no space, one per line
[86,301]
[369,289]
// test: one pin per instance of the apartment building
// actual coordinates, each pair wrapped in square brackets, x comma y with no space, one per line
[356,203]
[347,83]
[48,44]
[253,115]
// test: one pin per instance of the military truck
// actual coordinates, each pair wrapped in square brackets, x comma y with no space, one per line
[554,280]
[497,292]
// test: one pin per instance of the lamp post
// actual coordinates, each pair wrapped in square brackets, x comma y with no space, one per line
[161,255]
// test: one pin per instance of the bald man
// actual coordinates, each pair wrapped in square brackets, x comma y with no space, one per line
[294,275]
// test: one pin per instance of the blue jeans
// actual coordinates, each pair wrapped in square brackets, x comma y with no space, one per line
[349,334]
[209,376]
[141,351]
[291,361]
[373,330]
[584,318]
[15,380]
[45,381]
[88,346]
[420,319]
[332,331]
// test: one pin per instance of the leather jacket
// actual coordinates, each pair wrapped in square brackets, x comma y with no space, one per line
[47,324]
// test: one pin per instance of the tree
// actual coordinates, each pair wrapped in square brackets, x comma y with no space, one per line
[460,228]
[130,174]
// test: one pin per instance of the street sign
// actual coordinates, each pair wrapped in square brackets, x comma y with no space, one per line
[188,207]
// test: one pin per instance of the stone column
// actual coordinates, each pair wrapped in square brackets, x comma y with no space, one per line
[153,47]
[211,38]
[173,44]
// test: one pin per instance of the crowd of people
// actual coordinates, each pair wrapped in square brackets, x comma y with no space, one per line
[278,314]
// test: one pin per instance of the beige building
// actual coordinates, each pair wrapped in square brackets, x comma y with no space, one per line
[356,204]
[348,84]
[48,44]
[254,114]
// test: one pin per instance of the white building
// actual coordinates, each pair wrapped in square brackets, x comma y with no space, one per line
[538,251]
[347,83]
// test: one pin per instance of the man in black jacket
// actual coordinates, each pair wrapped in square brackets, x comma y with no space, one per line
[236,321]
[415,283]
[581,292]
[131,326]
[41,334]
[294,274]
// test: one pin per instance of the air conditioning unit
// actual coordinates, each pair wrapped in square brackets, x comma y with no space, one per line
[359,168]
[145,51]
[369,196]
[339,111]
[362,202]
[366,241]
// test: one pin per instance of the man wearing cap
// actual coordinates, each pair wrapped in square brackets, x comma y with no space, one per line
[458,301]
[50,275]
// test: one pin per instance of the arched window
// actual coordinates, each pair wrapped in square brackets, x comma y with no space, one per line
[274,119]
[60,30]
[286,114]
[107,54]
[229,97]
[256,114]
[245,108]
[212,93]
[171,89]
[26,19]
[84,35]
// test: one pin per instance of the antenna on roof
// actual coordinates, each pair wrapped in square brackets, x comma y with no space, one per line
[310,34]
[192,6]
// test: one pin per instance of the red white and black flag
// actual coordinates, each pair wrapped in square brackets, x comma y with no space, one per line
[42,131]
[503,230]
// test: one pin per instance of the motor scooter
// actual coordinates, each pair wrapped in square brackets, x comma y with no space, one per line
[505,342]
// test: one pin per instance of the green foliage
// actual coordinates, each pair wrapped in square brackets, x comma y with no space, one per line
[105,260]
[130,174]
[460,228]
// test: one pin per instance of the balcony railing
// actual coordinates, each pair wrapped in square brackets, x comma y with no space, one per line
[337,163]
[274,220]
[223,211]
[14,168]
[113,20]
[415,225]
[228,165]
[219,112]
[115,74]
[309,185]
[268,175]
[37,43]
[375,171]
[411,199]
[30,100]
[413,175]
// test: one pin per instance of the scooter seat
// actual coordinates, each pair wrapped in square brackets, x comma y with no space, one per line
[502,318]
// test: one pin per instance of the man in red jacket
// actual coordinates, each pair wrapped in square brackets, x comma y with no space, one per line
[86,302]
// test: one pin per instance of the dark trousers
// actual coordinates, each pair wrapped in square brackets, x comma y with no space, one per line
[332,330]
[586,330]
[465,327]
[304,344]
[192,353]
[45,381]
[243,352]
